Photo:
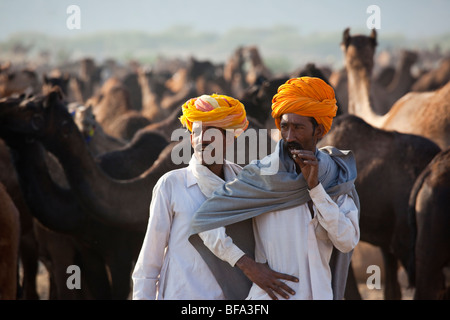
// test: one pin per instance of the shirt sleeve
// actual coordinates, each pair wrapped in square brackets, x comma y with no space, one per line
[149,263]
[339,218]
[221,245]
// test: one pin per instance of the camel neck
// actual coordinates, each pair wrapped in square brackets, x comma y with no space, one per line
[107,198]
[359,102]
[46,199]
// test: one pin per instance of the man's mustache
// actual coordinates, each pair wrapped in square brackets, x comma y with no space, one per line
[294,145]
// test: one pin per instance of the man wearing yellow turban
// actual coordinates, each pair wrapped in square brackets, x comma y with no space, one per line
[301,213]
[168,266]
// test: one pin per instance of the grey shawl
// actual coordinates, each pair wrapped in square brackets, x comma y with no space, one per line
[267,185]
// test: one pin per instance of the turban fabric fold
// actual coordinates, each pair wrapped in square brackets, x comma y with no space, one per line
[305,96]
[215,111]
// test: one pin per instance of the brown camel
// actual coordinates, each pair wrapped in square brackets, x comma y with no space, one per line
[73,238]
[435,78]
[152,93]
[256,67]
[28,242]
[121,203]
[56,78]
[135,157]
[113,110]
[388,164]
[243,69]
[23,81]
[9,246]
[91,245]
[430,221]
[426,114]
[233,73]
[98,141]
[402,80]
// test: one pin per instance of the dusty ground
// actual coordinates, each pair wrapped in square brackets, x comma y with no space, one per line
[364,256]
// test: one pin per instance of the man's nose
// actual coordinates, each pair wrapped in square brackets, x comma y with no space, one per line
[290,135]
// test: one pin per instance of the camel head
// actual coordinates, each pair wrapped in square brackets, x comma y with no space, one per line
[18,82]
[85,119]
[55,80]
[35,117]
[359,50]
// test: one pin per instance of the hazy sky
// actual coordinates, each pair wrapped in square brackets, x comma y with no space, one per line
[413,18]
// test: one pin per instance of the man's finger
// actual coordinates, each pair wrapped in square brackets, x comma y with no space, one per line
[282,292]
[283,288]
[271,294]
[285,276]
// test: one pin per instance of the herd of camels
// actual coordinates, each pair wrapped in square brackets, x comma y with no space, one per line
[82,147]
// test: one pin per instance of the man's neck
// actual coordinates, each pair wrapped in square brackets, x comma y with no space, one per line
[217,169]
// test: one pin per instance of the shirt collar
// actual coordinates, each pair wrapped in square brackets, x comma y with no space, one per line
[190,179]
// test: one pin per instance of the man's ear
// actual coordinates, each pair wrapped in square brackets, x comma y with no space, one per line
[319,132]
[192,139]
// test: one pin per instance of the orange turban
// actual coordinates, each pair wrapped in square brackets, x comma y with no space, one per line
[305,96]
[215,111]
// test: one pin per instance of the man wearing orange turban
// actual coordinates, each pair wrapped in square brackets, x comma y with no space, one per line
[301,202]
[308,97]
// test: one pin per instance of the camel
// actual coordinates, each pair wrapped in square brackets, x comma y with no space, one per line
[426,114]
[256,66]
[98,141]
[243,69]
[56,78]
[435,78]
[233,73]
[121,203]
[402,80]
[51,256]
[91,244]
[429,214]
[28,243]
[9,246]
[153,89]
[88,78]
[135,157]
[75,238]
[388,164]
[23,81]
[113,110]
[391,83]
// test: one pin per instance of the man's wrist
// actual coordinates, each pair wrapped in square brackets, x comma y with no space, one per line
[244,262]
[313,184]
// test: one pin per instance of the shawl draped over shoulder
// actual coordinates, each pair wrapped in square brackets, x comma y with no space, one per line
[267,185]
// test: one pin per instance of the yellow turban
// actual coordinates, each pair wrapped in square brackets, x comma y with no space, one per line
[305,96]
[215,111]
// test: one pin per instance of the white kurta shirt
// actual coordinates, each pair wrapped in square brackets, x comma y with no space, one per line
[291,241]
[168,266]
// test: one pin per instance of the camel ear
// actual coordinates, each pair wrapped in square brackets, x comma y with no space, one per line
[66,77]
[373,36]
[346,37]
[53,97]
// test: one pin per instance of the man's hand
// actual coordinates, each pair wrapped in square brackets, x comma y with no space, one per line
[266,278]
[309,165]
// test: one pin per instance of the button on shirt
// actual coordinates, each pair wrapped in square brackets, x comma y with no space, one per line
[168,266]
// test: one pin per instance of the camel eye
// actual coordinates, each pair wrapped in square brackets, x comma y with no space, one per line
[37,122]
